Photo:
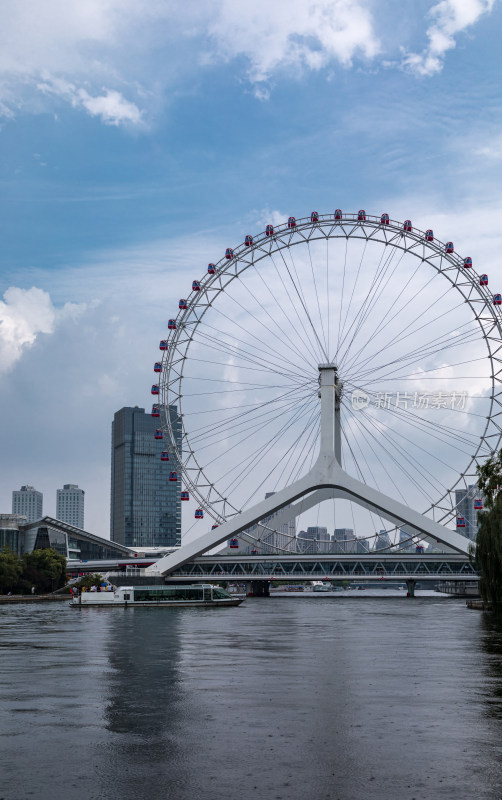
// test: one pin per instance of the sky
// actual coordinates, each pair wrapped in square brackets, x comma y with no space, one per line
[139,139]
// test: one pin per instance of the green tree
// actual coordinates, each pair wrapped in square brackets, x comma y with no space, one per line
[10,571]
[488,550]
[44,569]
[86,581]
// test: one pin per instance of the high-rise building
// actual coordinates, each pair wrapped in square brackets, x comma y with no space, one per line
[70,505]
[28,502]
[315,539]
[268,537]
[145,504]
[344,541]
[383,541]
[465,502]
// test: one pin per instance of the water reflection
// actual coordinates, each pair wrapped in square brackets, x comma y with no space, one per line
[323,698]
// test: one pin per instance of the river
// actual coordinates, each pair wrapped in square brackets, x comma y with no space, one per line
[282,698]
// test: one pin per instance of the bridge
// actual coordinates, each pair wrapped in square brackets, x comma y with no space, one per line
[326,479]
[372,567]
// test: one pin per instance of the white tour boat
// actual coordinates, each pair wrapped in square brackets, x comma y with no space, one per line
[203,594]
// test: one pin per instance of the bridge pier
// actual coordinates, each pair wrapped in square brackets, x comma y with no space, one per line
[258,589]
[411,583]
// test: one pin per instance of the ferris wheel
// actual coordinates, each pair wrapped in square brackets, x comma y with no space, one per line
[414,331]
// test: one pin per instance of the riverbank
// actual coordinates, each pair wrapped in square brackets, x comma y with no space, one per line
[32,598]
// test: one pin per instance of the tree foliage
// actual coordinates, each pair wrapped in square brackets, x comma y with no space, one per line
[10,570]
[43,569]
[86,581]
[488,552]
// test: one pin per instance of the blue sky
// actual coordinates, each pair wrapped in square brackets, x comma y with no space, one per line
[139,139]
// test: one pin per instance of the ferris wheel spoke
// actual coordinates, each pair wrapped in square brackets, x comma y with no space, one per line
[359,470]
[233,348]
[355,283]
[265,449]
[359,369]
[310,433]
[408,325]
[298,289]
[211,434]
[388,318]
[433,428]
[266,348]
[286,316]
[266,478]
[341,293]
[367,436]
[314,281]
[366,307]
[259,321]
[425,372]
[402,455]
[307,341]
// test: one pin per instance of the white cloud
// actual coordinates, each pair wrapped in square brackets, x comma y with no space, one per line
[450,17]
[111,106]
[293,34]
[24,314]
[135,49]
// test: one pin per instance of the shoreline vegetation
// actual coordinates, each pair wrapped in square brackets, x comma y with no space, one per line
[40,572]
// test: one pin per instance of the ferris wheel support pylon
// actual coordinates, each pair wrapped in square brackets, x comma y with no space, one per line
[326,474]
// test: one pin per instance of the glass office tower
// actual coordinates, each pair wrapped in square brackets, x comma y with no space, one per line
[145,505]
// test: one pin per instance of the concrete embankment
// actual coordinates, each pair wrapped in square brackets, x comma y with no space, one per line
[32,598]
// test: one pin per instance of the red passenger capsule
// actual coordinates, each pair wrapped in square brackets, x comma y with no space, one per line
[233,544]
[460,522]
[483,280]
[429,235]
[478,504]
[172,324]
[184,496]
[155,388]
[229,253]
[361,215]
[384,219]
[199,514]
[448,248]
[157,367]
[195,286]
[269,230]
[164,456]
[155,411]
[467,262]
[163,344]
[182,304]
[213,527]
[248,241]
[407,225]
[173,476]
[211,269]
[314,217]
[497,299]
[292,222]
[338,213]
[159,434]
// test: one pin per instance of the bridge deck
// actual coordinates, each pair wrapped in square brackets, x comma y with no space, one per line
[330,566]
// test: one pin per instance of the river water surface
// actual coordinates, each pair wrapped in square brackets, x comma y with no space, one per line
[282,698]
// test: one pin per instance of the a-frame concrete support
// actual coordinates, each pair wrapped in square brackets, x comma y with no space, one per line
[325,480]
